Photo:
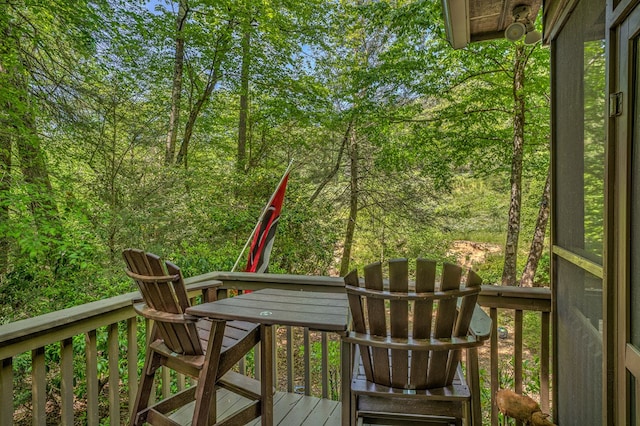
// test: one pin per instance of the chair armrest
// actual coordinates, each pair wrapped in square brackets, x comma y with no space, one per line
[480,324]
[409,343]
[155,315]
[208,289]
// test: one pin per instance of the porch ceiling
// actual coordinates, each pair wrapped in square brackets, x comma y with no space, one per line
[476,20]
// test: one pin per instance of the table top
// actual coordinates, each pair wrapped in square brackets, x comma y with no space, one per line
[315,310]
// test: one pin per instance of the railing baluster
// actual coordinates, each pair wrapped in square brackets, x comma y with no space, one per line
[290,378]
[493,312]
[165,375]
[66,382]
[206,296]
[307,363]
[181,381]
[544,363]
[148,331]
[39,386]
[274,345]
[92,378]
[113,353]
[132,360]
[257,366]
[6,392]
[242,367]
[325,366]
[517,355]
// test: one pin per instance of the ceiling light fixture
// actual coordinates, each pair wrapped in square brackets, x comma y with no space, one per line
[522,26]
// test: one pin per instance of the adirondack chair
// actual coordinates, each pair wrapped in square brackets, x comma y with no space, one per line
[408,344]
[199,348]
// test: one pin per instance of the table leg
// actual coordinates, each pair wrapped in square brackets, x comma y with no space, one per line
[266,373]
[345,391]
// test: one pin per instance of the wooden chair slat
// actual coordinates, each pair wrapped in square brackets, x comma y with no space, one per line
[158,294]
[151,290]
[445,318]
[423,310]
[179,290]
[188,336]
[461,327]
[377,318]
[399,319]
[358,320]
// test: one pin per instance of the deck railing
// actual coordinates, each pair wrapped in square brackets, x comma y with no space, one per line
[108,334]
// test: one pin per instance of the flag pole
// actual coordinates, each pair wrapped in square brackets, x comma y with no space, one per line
[264,211]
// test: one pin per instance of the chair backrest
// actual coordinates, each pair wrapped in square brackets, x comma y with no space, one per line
[165,298]
[411,338]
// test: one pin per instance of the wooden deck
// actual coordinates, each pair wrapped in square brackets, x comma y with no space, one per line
[288,409]
[106,325]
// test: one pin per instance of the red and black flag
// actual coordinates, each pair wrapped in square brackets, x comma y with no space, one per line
[265,232]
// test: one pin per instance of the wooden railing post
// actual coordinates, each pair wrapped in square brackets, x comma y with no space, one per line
[92,378]
[495,378]
[66,383]
[113,352]
[290,370]
[544,362]
[38,386]
[325,366]
[6,392]
[517,354]
[307,363]
[132,360]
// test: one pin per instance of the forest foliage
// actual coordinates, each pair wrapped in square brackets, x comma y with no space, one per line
[389,130]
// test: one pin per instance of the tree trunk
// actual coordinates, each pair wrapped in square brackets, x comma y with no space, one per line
[193,115]
[535,252]
[5,158]
[513,224]
[222,45]
[5,188]
[176,91]
[353,204]
[336,168]
[244,98]
[35,173]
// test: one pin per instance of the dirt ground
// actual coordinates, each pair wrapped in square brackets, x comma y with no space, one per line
[470,253]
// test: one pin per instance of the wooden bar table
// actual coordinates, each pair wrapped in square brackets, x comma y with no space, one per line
[269,307]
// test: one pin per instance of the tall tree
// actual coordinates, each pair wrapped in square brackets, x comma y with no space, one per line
[353,201]
[374,99]
[6,59]
[205,71]
[46,50]
[244,91]
[509,271]
[176,91]
[537,243]
[495,95]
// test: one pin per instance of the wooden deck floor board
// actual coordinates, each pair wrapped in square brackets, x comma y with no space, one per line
[289,409]
[301,411]
[283,407]
[276,406]
[323,412]
[335,419]
[226,403]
